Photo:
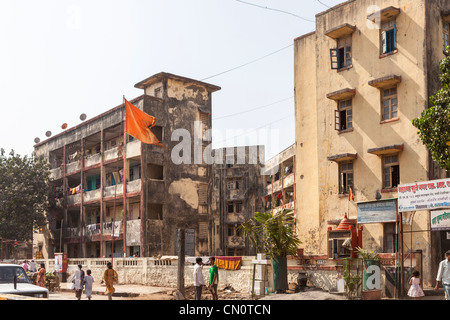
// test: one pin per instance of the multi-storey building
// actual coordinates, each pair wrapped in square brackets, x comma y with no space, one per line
[237,186]
[360,78]
[279,192]
[117,196]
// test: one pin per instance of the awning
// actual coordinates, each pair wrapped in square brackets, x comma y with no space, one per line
[391,149]
[384,15]
[385,82]
[340,31]
[343,157]
[344,94]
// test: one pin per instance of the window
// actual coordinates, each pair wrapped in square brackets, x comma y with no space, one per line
[389,237]
[445,36]
[230,208]
[341,57]
[345,177]
[388,37]
[238,207]
[391,171]
[343,116]
[389,103]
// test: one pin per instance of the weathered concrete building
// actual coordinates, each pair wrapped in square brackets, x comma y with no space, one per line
[279,192]
[237,186]
[360,78]
[118,196]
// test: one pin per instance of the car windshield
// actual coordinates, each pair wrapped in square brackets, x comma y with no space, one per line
[7,275]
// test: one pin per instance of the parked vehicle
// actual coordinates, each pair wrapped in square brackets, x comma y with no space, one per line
[14,280]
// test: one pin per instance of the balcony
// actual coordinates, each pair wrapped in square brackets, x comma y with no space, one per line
[133,149]
[55,173]
[73,166]
[91,195]
[111,154]
[92,160]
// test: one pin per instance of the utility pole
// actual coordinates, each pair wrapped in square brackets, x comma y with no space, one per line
[180,273]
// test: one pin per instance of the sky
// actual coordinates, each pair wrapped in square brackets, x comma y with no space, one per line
[60,59]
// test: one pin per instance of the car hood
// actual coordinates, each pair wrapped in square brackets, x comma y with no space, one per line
[21,288]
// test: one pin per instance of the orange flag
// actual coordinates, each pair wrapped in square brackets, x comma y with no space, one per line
[138,124]
[350,194]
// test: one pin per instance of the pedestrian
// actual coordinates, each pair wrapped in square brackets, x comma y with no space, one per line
[213,278]
[25,265]
[443,275]
[199,282]
[415,291]
[109,278]
[32,267]
[88,282]
[78,282]
[41,277]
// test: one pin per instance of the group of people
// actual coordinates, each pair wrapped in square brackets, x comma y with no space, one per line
[199,281]
[85,281]
[443,277]
[31,266]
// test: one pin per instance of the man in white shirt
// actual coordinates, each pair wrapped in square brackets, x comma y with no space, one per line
[443,275]
[199,282]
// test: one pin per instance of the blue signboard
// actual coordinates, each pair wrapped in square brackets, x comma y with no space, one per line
[377,211]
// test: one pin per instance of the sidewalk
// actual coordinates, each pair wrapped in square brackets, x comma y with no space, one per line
[122,290]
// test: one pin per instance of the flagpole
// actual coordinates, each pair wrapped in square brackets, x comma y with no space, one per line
[124,221]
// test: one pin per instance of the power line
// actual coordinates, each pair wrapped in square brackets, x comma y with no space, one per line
[286,12]
[245,64]
[250,110]
[266,125]
[323,4]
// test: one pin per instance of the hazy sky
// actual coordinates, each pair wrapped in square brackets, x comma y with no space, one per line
[59,59]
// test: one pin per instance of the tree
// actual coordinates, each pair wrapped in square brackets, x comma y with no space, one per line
[434,122]
[24,195]
[275,236]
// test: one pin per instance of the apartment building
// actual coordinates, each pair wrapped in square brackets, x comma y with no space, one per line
[116,196]
[237,186]
[279,177]
[360,78]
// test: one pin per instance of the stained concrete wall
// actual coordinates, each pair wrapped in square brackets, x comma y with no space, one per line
[317,178]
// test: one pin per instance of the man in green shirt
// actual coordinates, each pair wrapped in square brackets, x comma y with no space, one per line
[213,278]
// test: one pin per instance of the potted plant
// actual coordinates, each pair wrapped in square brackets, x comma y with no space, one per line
[275,236]
[352,277]
[371,274]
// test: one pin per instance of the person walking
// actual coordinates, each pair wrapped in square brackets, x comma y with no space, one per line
[41,277]
[199,282]
[213,278]
[25,265]
[88,282]
[32,266]
[109,278]
[78,282]
[415,291]
[443,275]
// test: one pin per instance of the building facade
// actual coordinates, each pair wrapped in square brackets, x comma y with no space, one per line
[116,196]
[360,78]
[237,186]
[279,177]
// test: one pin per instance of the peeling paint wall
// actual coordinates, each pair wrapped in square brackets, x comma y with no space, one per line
[317,178]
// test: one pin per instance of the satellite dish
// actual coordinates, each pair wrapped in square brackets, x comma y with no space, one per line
[83,116]
[37,140]
[64,126]
[48,133]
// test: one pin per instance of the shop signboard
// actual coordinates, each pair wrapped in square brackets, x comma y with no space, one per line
[424,195]
[380,211]
[440,220]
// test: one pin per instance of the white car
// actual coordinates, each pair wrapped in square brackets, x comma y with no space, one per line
[14,280]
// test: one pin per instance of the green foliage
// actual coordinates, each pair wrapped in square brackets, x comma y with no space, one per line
[273,235]
[24,194]
[353,281]
[434,122]
[368,255]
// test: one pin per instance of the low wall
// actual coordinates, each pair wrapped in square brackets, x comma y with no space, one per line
[157,272]
[163,272]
